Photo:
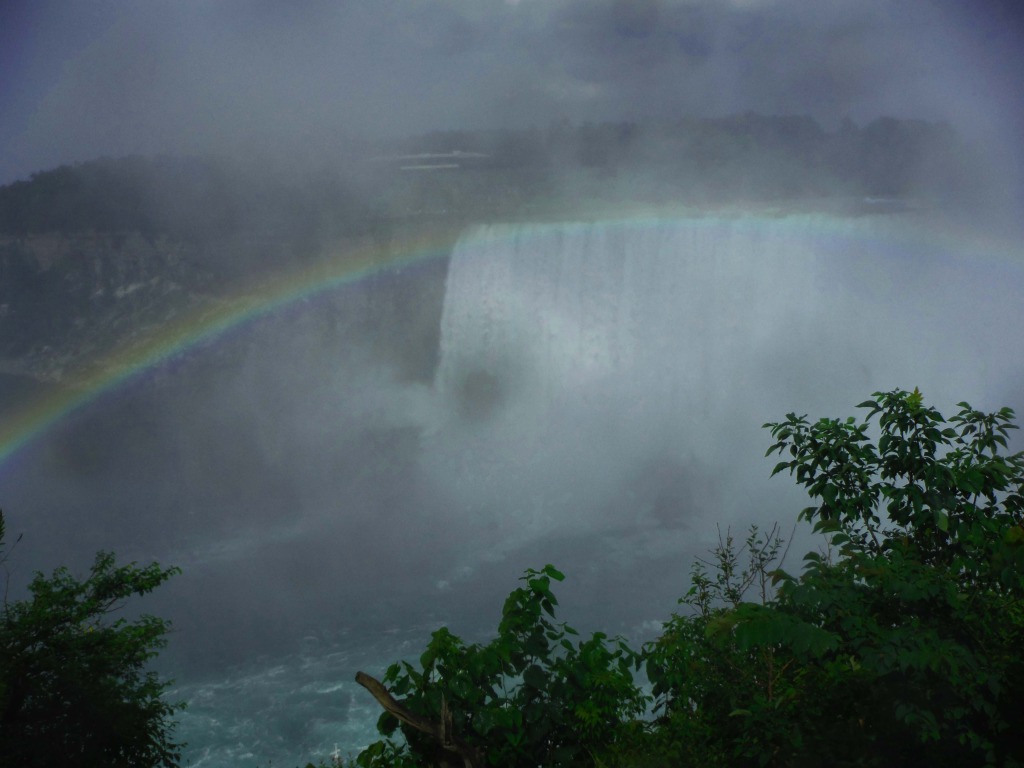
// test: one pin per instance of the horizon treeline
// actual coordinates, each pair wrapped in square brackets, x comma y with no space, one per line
[741,158]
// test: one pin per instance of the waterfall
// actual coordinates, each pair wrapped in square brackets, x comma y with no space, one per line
[656,312]
[586,367]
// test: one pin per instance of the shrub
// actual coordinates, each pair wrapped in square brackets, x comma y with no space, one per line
[74,685]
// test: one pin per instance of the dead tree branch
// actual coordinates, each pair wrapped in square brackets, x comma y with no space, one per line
[441,731]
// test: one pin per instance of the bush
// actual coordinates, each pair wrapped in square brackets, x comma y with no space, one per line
[534,695]
[900,643]
[74,688]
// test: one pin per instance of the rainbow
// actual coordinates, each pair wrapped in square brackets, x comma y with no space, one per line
[202,327]
[205,326]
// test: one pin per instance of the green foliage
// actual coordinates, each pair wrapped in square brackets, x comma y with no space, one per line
[899,644]
[921,595]
[725,685]
[537,694]
[74,685]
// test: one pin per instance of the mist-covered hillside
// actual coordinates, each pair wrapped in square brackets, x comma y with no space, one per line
[96,253]
[741,158]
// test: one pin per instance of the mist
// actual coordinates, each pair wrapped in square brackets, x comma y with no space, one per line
[302,84]
[574,370]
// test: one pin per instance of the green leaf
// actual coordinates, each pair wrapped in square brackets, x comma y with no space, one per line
[535,677]
[554,573]
[829,493]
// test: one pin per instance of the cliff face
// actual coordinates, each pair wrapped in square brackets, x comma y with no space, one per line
[66,299]
[70,301]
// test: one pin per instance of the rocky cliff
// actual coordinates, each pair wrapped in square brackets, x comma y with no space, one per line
[69,299]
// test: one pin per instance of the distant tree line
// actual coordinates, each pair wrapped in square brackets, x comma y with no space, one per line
[140,194]
[742,157]
[185,198]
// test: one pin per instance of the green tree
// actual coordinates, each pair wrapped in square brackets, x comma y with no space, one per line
[921,593]
[75,690]
[534,695]
[899,645]
[702,679]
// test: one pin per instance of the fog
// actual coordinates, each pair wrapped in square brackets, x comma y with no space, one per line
[343,471]
[116,77]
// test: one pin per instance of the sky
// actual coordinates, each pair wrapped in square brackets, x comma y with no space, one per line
[87,78]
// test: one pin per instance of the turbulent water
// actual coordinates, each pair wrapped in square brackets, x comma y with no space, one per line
[597,403]
[290,709]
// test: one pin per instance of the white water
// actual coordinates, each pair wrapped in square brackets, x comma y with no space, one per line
[575,357]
